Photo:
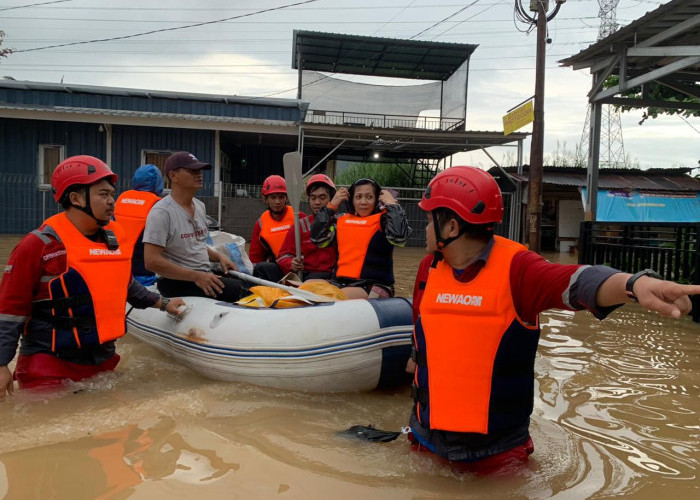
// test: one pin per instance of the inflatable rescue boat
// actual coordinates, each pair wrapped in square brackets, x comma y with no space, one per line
[347,345]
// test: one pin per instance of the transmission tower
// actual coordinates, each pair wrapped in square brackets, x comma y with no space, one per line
[612,150]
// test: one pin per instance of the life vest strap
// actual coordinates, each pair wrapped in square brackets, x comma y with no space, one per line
[72,302]
[419,395]
[419,357]
[66,323]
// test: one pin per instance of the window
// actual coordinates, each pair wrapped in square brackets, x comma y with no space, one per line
[50,155]
[157,158]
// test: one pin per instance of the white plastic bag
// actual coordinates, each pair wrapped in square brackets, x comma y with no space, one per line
[233,246]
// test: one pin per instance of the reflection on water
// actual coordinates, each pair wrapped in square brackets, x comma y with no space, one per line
[616,414]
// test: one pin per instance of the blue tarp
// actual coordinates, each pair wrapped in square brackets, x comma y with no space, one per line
[633,206]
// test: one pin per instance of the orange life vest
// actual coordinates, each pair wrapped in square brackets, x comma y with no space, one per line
[363,250]
[463,326]
[88,301]
[131,211]
[275,231]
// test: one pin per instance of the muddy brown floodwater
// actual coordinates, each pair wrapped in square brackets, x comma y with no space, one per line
[616,414]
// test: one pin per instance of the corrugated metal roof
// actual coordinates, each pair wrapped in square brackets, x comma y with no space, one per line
[147,114]
[651,24]
[651,180]
[376,56]
[154,104]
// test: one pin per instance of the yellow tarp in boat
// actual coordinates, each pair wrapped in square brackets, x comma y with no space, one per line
[271,297]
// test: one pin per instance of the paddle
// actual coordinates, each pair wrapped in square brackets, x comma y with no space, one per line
[292,174]
[305,294]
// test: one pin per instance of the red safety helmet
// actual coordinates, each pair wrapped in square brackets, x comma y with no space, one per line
[83,170]
[469,191]
[274,184]
[320,179]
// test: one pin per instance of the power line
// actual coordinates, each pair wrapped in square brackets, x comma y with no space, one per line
[33,5]
[194,25]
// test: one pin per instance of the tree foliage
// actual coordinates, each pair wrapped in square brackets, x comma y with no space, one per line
[3,52]
[656,92]
[385,174]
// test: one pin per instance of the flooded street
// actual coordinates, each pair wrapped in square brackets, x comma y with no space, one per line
[616,414]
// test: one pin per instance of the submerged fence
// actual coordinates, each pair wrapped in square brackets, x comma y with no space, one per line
[672,250]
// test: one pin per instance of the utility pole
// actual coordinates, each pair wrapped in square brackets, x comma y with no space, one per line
[534,205]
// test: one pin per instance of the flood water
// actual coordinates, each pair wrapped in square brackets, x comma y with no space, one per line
[616,414]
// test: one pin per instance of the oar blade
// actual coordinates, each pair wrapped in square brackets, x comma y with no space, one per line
[292,174]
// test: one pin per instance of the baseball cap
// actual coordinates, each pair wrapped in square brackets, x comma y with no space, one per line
[183,159]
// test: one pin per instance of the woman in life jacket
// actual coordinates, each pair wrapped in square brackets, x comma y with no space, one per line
[365,237]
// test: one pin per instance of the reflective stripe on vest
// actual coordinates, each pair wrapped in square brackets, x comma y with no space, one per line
[131,211]
[463,324]
[275,231]
[107,274]
[354,235]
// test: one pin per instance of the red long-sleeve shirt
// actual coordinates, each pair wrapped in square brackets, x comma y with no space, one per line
[536,284]
[315,259]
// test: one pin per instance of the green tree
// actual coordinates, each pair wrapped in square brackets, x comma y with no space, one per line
[657,92]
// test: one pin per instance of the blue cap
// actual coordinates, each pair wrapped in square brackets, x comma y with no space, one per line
[148,178]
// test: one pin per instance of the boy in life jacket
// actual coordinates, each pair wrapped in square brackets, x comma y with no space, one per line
[65,287]
[314,262]
[365,238]
[477,330]
[131,211]
[271,229]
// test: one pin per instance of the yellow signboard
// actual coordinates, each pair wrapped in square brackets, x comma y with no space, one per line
[519,117]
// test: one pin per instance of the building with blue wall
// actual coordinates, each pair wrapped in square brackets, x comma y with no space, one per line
[41,124]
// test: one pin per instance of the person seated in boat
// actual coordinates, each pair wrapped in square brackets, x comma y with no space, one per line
[314,262]
[477,330]
[365,238]
[65,286]
[131,210]
[175,238]
[271,229]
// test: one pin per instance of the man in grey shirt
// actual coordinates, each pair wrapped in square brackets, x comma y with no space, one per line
[174,238]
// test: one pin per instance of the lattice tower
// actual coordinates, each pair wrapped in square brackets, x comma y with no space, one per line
[612,149]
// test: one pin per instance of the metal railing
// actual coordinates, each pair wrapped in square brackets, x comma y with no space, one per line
[672,250]
[350,119]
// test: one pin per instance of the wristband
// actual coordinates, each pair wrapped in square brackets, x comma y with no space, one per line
[331,206]
[164,303]
[629,287]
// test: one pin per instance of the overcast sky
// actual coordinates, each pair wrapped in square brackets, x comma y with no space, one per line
[250,54]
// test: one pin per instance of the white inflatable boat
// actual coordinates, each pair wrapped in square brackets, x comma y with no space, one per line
[350,345]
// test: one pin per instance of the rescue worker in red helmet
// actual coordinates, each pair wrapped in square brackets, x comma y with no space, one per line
[365,238]
[65,287]
[477,331]
[314,262]
[271,229]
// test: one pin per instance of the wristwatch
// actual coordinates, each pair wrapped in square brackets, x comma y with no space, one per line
[164,303]
[629,287]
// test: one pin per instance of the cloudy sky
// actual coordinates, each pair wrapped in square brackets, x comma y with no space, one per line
[244,47]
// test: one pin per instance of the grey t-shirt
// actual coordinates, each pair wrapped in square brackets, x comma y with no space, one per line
[170,226]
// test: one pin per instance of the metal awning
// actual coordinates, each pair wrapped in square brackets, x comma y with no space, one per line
[376,56]
[661,46]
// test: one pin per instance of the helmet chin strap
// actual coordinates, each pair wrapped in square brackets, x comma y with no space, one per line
[87,209]
[441,242]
